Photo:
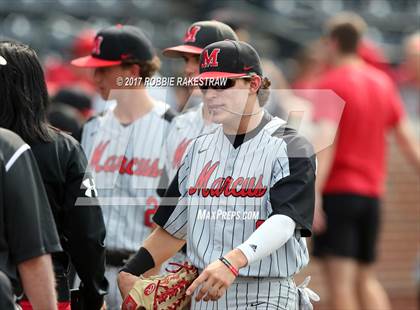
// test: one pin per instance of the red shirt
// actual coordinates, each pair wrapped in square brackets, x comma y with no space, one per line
[372,106]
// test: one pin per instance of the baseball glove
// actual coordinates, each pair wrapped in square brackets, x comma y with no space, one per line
[162,291]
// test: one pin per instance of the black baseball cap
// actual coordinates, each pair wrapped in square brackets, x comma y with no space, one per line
[199,35]
[229,59]
[116,44]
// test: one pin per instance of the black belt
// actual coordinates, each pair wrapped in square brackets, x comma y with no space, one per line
[117,258]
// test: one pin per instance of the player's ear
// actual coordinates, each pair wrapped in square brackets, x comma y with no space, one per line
[255,84]
[135,70]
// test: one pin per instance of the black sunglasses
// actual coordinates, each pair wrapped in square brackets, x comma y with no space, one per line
[222,85]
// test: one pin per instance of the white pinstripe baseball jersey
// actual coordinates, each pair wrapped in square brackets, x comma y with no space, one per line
[225,192]
[127,162]
[183,129]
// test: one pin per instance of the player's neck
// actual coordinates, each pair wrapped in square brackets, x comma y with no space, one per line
[347,59]
[132,104]
[243,124]
[206,115]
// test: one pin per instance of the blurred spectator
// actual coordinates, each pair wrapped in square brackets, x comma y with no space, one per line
[351,172]
[374,56]
[311,63]
[59,73]
[76,98]
[409,76]
[65,118]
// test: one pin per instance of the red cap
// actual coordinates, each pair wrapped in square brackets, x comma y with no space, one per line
[93,62]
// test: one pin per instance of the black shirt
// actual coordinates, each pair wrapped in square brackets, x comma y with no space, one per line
[81,228]
[27,228]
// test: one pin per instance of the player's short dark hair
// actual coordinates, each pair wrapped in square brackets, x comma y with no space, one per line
[147,68]
[346,29]
[24,95]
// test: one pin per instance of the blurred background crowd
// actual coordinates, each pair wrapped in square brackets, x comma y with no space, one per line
[285,32]
[288,35]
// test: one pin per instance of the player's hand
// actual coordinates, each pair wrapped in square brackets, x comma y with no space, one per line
[320,223]
[214,281]
[126,282]
[217,278]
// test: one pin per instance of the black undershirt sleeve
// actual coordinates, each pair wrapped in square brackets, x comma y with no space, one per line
[168,203]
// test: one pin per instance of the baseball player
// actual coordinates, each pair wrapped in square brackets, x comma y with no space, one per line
[125,145]
[62,164]
[245,196]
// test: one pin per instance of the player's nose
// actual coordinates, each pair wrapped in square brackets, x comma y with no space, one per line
[210,94]
[191,70]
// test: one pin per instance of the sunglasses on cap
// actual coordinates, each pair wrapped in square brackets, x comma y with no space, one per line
[223,84]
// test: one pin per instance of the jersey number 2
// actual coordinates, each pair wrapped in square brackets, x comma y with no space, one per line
[152,205]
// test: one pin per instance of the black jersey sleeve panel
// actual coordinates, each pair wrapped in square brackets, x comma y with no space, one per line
[163,183]
[30,226]
[294,195]
[169,115]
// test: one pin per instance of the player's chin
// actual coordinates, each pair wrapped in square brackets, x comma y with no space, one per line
[104,93]
[218,116]
[216,120]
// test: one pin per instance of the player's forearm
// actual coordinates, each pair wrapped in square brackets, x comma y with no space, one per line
[157,248]
[162,245]
[324,162]
[38,282]
[408,143]
[269,237]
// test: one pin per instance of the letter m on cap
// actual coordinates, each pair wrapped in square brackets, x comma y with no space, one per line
[191,34]
[96,50]
[210,60]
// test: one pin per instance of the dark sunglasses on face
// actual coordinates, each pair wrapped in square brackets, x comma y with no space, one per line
[228,83]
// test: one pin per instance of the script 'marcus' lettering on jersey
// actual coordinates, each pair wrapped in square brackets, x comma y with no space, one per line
[179,153]
[122,164]
[227,186]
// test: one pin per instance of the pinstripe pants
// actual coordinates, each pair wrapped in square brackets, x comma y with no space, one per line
[113,298]
[255,293]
